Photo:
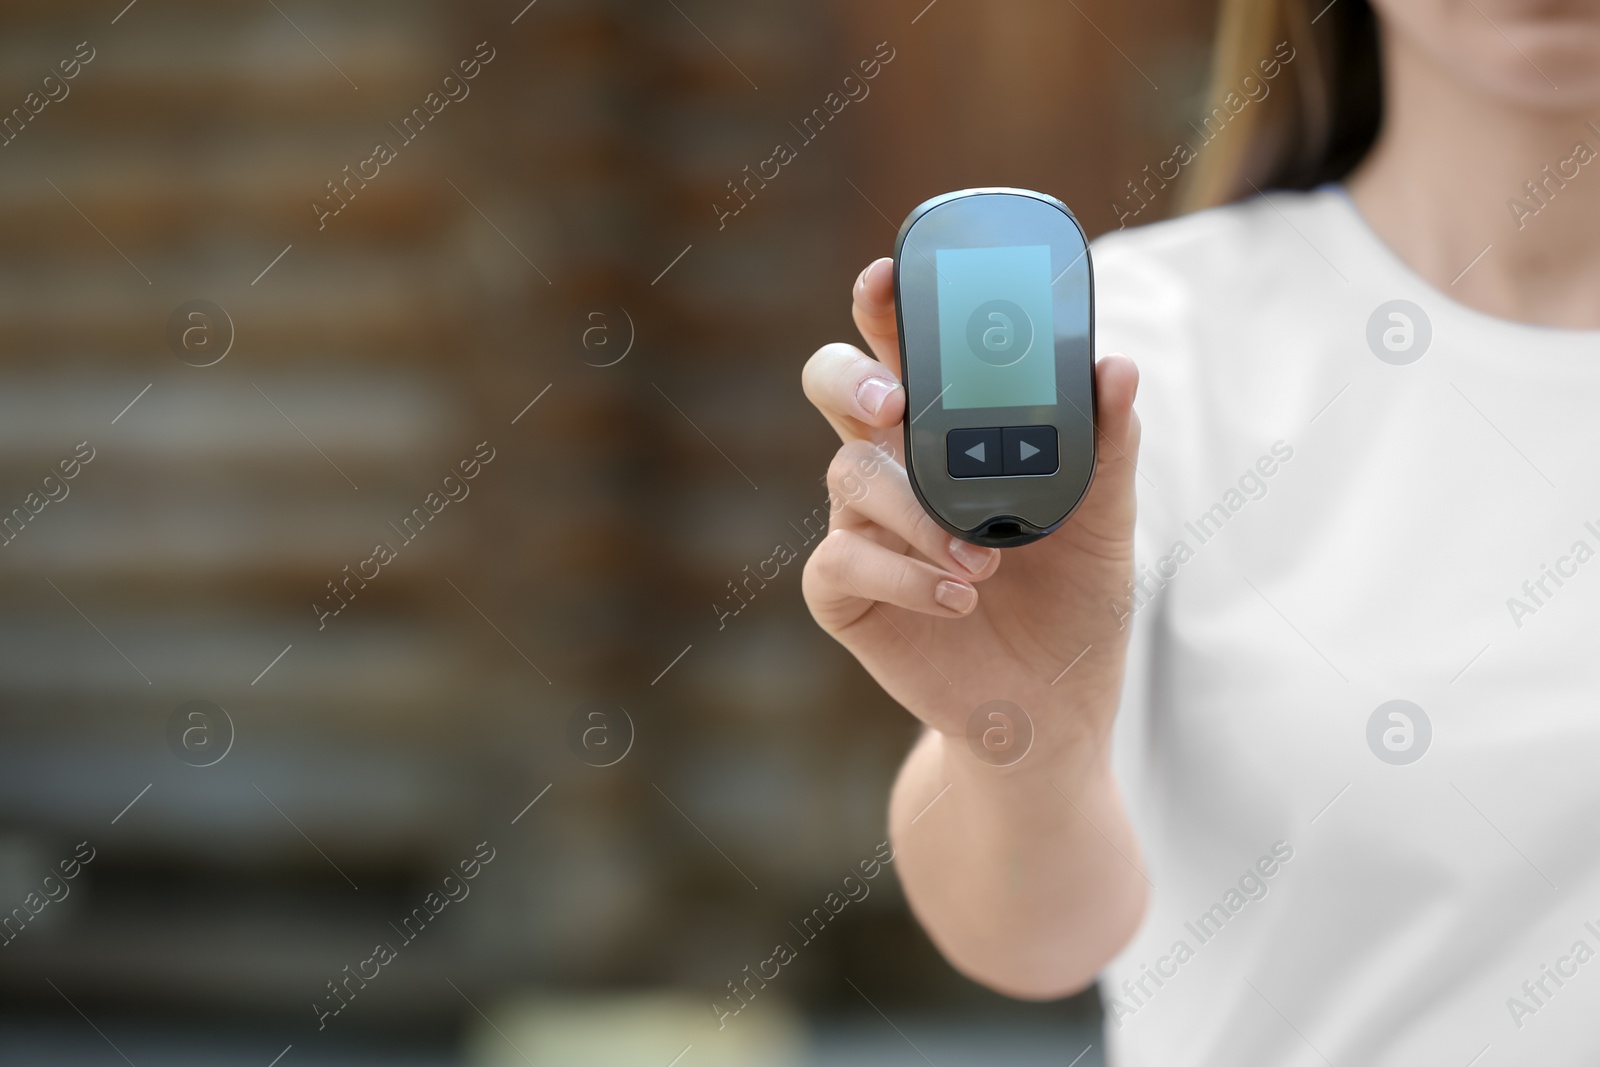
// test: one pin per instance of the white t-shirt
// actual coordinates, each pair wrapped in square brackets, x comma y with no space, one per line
[1340,502]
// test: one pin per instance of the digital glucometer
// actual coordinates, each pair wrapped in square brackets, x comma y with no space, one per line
[995,295]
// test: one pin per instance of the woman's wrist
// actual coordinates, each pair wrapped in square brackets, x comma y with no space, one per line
[1016,754]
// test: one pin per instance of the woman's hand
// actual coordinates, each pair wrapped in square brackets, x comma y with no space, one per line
[945,626]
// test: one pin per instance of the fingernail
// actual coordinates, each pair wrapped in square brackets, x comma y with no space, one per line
[955,596]
[871,394]
[973,557]
[861,279]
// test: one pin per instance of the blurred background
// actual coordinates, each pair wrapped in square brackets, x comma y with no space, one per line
[277,744]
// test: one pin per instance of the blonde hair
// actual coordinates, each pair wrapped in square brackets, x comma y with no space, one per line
[1317,124]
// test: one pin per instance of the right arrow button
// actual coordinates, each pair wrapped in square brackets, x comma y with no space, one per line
[1029,450]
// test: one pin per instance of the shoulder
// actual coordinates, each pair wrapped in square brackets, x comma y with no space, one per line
[1221,310]
[1205,293]
[1215,253]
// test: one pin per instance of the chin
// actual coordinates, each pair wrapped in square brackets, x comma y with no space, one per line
[1567,51]
[1543,43]
[1532,53]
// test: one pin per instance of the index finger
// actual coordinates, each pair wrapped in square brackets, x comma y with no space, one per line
[873,310]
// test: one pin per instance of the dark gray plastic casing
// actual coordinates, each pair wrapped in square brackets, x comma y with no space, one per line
[998,512]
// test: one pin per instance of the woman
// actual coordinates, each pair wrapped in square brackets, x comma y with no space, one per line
[1367,475]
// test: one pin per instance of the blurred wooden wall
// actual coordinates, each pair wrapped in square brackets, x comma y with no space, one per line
[582,174]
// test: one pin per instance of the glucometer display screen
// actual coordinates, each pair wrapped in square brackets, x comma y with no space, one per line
[996,333]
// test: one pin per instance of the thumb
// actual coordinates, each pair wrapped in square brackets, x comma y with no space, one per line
[1107,511]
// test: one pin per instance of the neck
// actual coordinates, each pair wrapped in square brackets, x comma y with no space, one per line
[1444,181]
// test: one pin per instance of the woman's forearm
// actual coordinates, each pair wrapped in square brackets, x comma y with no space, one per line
[1027,878]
